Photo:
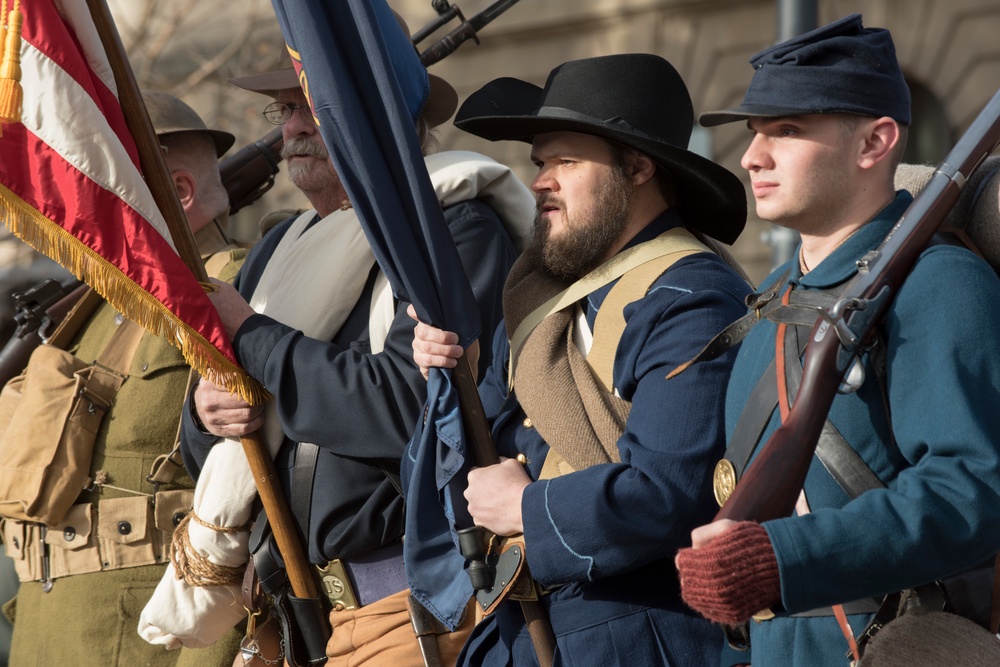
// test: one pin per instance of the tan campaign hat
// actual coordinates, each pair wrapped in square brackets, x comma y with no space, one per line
[442,100]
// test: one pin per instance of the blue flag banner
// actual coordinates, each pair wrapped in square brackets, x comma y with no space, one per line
[367,87]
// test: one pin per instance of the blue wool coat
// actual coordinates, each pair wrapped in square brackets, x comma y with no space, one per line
[607,534]
[940,464]
[358,407]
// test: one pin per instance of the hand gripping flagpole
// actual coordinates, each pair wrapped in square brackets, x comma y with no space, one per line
[155,171]
[484,453]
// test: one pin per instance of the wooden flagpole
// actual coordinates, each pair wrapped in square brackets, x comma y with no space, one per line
[154,169]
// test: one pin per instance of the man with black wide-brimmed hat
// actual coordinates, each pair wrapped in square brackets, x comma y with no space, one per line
[607,461]
[906,488]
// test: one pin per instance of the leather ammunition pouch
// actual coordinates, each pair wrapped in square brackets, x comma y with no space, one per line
[304,622]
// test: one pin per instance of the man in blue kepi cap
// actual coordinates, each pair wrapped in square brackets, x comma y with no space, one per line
[906,488]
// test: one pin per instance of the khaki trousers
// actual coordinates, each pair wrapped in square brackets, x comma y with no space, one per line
[92,620]
[381,634]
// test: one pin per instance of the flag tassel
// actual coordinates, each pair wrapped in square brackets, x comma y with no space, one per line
[11,94]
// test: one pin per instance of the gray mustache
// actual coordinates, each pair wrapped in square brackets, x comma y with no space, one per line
[299,146]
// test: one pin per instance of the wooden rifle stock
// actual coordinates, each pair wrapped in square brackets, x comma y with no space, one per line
[33,329]
[769,488]
[249,172]
[484,453]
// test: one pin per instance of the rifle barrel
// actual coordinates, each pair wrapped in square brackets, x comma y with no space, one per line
[467,30]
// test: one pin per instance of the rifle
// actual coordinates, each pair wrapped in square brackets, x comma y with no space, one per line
[40,309]
[249,173]
[468,29]
[769,488]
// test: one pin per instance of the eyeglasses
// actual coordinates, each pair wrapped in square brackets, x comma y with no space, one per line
[279,113]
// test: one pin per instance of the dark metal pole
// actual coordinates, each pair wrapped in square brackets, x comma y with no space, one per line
[794,18]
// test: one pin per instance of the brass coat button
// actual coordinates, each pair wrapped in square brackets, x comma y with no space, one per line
[527,422]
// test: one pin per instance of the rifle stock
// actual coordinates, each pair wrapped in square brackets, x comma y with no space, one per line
[770,487]
[49,305]
[249,172]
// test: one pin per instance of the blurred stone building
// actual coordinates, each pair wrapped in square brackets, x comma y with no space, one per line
[950,52]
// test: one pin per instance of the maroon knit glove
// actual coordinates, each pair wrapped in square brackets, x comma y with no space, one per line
[732,578]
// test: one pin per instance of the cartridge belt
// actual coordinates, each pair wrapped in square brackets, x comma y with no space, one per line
[112,534]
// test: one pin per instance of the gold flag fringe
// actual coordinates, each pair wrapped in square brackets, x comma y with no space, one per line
[135,303]
[11,94]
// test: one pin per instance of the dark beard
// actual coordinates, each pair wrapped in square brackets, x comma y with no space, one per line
[590,235]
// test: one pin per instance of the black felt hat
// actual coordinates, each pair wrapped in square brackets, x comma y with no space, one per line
[842,67]
[638,100]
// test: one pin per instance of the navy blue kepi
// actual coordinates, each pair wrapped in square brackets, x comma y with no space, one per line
[840,68]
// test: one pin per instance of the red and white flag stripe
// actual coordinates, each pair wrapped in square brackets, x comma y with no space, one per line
[70,185]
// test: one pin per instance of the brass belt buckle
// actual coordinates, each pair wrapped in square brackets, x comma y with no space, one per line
[337,587]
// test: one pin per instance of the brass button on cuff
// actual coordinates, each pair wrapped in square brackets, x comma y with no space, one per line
[527,422]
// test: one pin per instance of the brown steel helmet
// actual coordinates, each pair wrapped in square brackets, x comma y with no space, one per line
[171,116]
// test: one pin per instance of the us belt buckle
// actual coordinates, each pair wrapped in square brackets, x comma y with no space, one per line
[337,587]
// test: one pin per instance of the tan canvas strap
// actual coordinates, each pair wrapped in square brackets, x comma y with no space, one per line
[107,374]
[217,262]
[555,466]
[117,355]
[610,322]
[608,329]
[580,420]
[75,319]
[672,241]
[166,465]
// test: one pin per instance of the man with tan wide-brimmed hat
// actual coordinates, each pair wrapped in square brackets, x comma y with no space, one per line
[324,334]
